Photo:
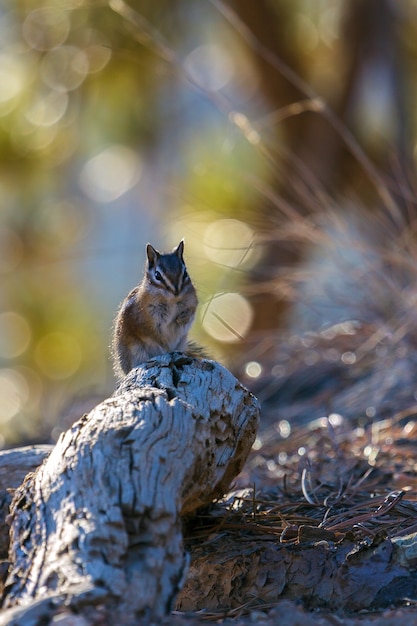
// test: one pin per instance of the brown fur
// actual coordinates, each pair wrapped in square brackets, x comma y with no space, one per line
[156,315]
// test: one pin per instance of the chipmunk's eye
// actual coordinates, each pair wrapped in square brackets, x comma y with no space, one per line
[158,275]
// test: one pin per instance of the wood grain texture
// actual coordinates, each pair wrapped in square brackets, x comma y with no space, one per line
[100,521]
[14,466]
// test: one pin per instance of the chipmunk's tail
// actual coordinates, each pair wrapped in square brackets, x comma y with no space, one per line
[196,351]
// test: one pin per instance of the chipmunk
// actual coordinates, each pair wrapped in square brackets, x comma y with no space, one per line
[156,316]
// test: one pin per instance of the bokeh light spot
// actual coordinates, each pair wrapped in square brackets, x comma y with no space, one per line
[13,394]
[209,66]
[227,317]
[111,173]
[65,68]
[335,419]
[348,358]
[48,109]
[229,242]
[282,458]
[15,335]
[253,369]
[46,28]
[58,355]
[11,81]
[98,57]
[284,428]
[257,444]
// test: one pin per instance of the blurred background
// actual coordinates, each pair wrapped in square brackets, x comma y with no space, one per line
[278,138]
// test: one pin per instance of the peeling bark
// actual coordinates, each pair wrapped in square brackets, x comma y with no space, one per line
[232,570]
[100,521]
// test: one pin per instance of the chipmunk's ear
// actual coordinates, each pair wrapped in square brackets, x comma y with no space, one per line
[152,254]
[179,250]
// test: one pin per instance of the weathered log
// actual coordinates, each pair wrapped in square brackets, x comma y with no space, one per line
[99,523]
[16,463]
[14,466]
[232,570]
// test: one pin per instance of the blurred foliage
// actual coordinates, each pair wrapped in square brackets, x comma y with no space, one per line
[237,125]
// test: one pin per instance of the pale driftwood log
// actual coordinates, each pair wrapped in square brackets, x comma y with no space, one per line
[99,523]
[17,462]
[14,465]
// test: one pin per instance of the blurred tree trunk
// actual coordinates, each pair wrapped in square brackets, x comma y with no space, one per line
[315,148]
